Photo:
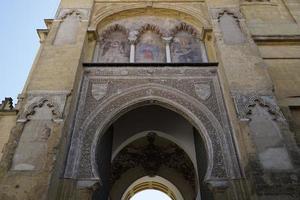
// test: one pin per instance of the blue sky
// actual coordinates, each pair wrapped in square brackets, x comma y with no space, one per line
[19,40]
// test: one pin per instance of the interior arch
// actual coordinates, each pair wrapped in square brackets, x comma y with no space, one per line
[156,183]
[151,155]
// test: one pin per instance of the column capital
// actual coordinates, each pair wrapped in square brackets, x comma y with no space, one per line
[167,40]
[132,37]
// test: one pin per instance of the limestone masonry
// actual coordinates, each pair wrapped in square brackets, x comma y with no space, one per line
[198,99]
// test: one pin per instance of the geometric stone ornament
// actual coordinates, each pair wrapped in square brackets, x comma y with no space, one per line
[203,90]
[31,152]
[99,90]
[245,103]
[151,157]
[54,99]
[82,13]
[41,110]
[140,86]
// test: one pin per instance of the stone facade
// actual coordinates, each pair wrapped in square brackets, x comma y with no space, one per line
[230,68]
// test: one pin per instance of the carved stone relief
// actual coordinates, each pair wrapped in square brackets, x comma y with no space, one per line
[171,88]
[275,160]
[269,142]
[203,90]
[82,13]
[99,90]
[31,152]
[39,114]
[151,157]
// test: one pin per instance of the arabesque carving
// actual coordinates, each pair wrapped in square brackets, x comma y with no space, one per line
[151,157]
[149,27]
[244,105]
[184,27]
[30,110]
[115,28]
[82,14]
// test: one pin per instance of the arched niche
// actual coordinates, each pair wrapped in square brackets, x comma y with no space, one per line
[150,47]
[31,153]
[113,46]
[231,29]
[186,46]
[68,28]
[159,22]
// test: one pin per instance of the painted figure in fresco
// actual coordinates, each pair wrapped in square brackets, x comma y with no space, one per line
[185,49]
[149,49]
[149,52]
[114,51]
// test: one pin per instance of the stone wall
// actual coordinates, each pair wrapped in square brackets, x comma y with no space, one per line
[257,46]
[7,122]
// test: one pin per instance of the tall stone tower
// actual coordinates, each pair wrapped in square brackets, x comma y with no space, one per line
[198,99]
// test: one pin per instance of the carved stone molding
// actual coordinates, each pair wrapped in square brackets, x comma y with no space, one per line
[111,29]
[245,103]
[82,13]
[134,86]
[151,157]
[149,27]
[54,100]
[216,13]
[186,28]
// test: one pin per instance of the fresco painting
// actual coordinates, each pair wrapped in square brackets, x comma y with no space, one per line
[115,49]
[185,49]
[150,48]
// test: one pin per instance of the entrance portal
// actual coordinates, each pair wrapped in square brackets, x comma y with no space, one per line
[151,147]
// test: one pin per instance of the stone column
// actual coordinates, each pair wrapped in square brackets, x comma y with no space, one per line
[203,52]
[167,41]
[132,41]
